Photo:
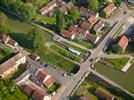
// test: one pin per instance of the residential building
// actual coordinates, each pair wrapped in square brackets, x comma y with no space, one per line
[33,90]
[84,12]
[50,6]
[69,6]
[67,34]
[123,42]
[9,41]
[12,64]
[44,77]
[86,26]
[97,27]
[103,94]
[92,20]
[92,38]
[34,57]
[63,9]
[108,10]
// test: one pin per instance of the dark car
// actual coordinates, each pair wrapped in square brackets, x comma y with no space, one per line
[45,65]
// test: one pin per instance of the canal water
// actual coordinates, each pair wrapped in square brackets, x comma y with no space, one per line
[126,80]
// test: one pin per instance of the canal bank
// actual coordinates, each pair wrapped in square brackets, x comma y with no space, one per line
[125,80]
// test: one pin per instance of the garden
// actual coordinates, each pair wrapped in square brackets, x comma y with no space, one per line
[119,63]
[8,90]
[65,53]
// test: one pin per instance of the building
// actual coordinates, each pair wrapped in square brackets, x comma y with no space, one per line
[108,10]
[67,34]
[44,77]
[11,64]
[92,20]
[92,38]
[97,27]
[103,94]
[64,9]
[86,26]
[33,90]
[9,41]
[34,57]
[123,42]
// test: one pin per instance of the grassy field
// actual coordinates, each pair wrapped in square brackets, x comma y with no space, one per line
[20,28]
[82,42]
[123,79]
[119,63]
[9,91]
[65,53]
[53,88]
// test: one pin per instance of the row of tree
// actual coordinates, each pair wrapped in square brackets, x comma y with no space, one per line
[26,10]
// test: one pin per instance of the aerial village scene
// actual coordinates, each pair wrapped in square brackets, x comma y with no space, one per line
[66,49]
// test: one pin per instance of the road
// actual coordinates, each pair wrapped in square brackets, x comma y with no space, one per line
[86,65]
[74,81]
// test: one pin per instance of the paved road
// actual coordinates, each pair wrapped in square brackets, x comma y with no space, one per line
[86,65]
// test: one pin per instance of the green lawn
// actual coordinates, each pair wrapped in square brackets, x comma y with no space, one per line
[119,63]
[82,42]
[9,91]
[65,53]
[54,59]
[53,88]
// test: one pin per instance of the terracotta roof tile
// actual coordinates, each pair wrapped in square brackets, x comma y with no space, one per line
[123,42]
[109,8]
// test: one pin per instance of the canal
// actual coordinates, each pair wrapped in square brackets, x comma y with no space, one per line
[125,80]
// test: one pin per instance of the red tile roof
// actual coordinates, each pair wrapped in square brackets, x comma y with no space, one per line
[97,27]
[103,94]
[85,25]
[11,42]
[38,95]
[109,8]
[28,89]
[4,38]
[92,19]
[44,77]
[83,10]
[123,42]
[34,57]
[67,34]
[63,9]
[91,37]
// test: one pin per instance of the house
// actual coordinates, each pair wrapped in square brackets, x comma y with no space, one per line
[69,6]
[123,42]
[86,26]
[44,77]
[50,6]
[63,9]
[103,94]
[9,41]
[98,26]
[92,38]
[108,10]
[92,20]
[75,29]
[12,64]
[67,34]
[33,90]
[34,57]
[84,12]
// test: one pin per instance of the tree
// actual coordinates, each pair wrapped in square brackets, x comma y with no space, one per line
[93,5]
[28,11]
[74,14]
[37,40]
[117,2]
[60,22]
